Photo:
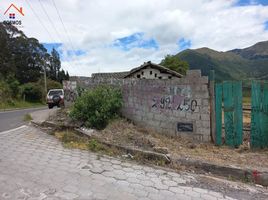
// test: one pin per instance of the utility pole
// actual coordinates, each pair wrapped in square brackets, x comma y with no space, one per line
[45,80]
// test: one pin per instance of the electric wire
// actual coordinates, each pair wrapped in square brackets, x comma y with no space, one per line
[49,19]
[65,30]
[37,17]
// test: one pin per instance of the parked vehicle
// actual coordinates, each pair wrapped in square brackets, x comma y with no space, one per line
[55,97]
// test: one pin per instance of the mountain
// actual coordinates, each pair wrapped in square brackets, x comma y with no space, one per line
[255,52]
[237,64]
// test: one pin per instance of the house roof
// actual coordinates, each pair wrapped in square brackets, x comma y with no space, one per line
[161,68]
[115,75]
[19,10]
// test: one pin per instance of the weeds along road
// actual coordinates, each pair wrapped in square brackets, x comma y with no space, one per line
[14,118]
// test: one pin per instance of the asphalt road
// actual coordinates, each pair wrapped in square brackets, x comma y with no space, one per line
[13,119]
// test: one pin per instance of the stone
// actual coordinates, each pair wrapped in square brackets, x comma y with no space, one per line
[163,150]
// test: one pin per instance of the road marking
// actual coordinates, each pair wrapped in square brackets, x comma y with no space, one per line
[11,130]
[18,110]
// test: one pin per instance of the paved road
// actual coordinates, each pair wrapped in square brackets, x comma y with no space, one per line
[35,166]
[13,119]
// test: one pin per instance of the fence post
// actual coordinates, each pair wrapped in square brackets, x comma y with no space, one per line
[212,105]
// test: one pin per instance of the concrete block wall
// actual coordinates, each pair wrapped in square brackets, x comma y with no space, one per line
[163,105]
[174,107]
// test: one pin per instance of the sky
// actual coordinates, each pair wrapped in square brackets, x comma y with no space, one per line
[117,35]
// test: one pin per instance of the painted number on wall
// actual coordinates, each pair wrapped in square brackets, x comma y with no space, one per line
[174,103]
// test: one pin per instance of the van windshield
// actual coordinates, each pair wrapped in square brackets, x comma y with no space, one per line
[55,92]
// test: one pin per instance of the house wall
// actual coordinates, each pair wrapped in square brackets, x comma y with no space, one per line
[173,107]
[151,73]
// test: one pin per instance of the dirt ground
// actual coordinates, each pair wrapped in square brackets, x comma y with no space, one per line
[124,133]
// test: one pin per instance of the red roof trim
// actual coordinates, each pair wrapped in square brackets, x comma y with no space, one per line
[19,10]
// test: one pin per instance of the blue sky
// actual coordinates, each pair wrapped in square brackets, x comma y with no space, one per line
[58,47]
[136,40]
[252,2]
[266,25]
[50,46]
[119,35]
[184,44]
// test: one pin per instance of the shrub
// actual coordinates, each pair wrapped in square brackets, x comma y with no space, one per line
[95,146]
[13,85]
[32,92]
[96,107]
[5,92]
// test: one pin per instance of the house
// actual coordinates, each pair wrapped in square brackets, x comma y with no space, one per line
[151,70]
[12,15]
[148,70]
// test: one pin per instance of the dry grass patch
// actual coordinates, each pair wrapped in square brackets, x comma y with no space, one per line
[122,132]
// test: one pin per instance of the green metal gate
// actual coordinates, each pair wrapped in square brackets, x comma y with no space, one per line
[228,99]
[259,115]
[228,104]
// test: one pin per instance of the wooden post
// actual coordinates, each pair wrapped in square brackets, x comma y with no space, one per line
[218,114]
[212,105]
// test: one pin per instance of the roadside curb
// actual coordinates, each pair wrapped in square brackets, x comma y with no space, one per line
[37,123]
[18,109]
[247,175]
[150,155]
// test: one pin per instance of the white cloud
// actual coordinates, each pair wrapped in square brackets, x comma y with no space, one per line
[94,25]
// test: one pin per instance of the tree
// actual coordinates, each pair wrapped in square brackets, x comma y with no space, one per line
[55,65]
[62,76]
[174,63]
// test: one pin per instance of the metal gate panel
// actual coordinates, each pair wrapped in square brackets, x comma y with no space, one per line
[259,115]
[231,93]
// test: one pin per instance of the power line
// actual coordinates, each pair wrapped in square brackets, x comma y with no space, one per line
[40,20]
[54,4]
[49,19]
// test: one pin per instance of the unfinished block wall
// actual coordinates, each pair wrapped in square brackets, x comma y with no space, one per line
[173,107]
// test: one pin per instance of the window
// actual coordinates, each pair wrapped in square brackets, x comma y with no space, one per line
[138,76]
[55,92]
[142,73]
[151,72]
[160,77]
[169,77]
[155,75]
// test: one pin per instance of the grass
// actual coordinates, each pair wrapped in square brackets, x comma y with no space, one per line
[27,117]
[70,139]
[14,104]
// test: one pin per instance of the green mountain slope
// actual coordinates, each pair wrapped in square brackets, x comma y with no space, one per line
[237,64]
[255,52]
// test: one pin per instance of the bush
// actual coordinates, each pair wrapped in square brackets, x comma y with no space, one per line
[32,92]
[5,91]
[13,85]
[96,107]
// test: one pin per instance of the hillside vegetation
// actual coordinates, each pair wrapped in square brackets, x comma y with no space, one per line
[237,64]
